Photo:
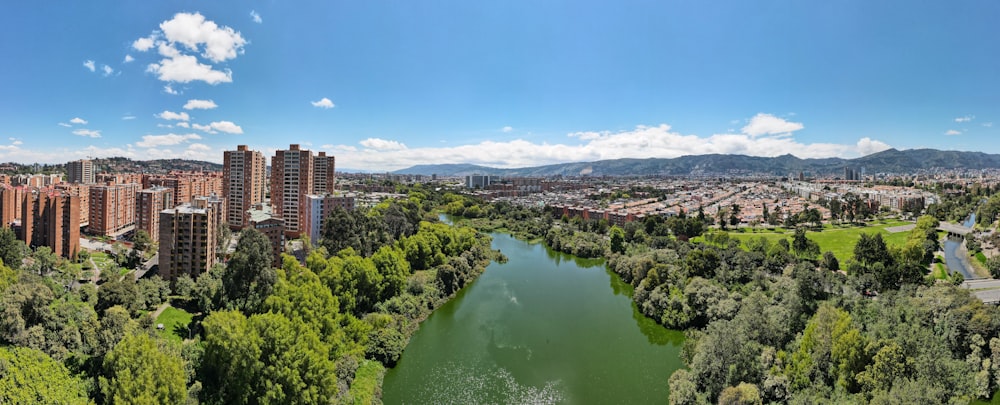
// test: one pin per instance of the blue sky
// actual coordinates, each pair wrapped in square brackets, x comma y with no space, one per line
[387,84]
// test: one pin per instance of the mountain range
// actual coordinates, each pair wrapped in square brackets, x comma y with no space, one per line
[887,161]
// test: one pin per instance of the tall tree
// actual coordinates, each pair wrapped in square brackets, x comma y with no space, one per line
[249,277]
[11,249]
[140,370]
[617,240]
[29,376]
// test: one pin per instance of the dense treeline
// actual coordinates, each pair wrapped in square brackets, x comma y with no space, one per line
[303,333]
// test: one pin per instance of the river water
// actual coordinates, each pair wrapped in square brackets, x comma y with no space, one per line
[957,261]
[544,327]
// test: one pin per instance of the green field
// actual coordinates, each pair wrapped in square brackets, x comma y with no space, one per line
[838,239]
[175,322]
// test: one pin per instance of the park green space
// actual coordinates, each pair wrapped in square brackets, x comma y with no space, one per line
[175,322]
[839,239]
[102,260]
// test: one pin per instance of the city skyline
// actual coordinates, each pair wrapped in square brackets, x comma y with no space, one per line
[504,85]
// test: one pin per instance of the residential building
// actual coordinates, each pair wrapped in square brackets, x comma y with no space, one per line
[218,205]
[51,218]
[80,171]
[148,204]
[243,183]
[187,240]
[112,209]
[319,207]
[324,174]
[291,181]
[83,192]
[261,219]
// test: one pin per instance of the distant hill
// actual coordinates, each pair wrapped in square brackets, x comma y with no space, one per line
[126,165]
[887,161]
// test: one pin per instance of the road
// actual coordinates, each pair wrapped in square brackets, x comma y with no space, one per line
[986,289]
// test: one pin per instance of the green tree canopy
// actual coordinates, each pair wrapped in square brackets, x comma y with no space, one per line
[29,376]
[248,278]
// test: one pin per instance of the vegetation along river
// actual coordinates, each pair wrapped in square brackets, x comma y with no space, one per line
[545,327]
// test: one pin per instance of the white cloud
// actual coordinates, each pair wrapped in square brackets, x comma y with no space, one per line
[107,70]
[128,58]
[323,103]
[144,44]
[200,104]
[63,124]
[988,124]
[16,142]
[206,128]
[128,117]
[197,36]
[966,118]
[767,124]
[183,124]
[199,147]
[152,141]
[185,68]
[256,17]
[193,31]
[164,126]
[867,146]
[170,115]
[507,129]
[78,120]
[87,132]
[89,64]
[587,136]
[226,126]
[170,90]
[382,144]
[952,132]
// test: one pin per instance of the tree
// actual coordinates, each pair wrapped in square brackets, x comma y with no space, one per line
[829,261]
[11,249]
[140,370]
[141,241]
[617,240]
[119,292]
[248,278]
[734,215]
[765,215]
[871,249]
[29,376]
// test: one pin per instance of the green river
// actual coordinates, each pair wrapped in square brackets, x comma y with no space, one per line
[545,327]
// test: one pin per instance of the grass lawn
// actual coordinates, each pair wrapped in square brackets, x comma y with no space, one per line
[102,260]
[367,379]
[838,239]
[175,322]
[981,257]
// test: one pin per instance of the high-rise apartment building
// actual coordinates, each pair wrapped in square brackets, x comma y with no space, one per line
[51,218]
[291,182]
[187,240]
[148,204]
[218,206]
[324,174]
[112,209]
[318,207]
[80,171]
[10,204]
[82,191]
[243,183]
